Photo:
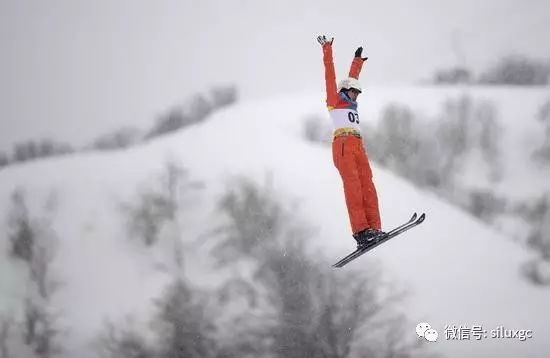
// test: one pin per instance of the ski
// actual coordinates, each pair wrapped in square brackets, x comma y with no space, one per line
[413,221]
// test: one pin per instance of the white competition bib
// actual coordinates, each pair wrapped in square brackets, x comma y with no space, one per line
[345,118]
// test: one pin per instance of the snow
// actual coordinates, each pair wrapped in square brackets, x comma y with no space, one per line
[455,269]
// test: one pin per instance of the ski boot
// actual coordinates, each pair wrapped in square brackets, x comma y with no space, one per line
[367,237]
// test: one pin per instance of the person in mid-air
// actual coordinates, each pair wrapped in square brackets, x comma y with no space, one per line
[348,152]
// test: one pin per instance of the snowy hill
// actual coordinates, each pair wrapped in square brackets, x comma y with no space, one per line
[456,270]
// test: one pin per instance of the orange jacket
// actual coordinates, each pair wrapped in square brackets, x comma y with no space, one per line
[334,99]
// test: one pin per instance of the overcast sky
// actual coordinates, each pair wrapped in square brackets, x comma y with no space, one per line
[72,69]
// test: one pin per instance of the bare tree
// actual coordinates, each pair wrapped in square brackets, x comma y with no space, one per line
[4,159]
[159,204]
[540,237]
[119,139]
[33,149]
[456,75]
[255,221]
[34,242]
[409,147]
[6,324]
[200,107]
[398,143]
[485,205]
[543,115]
[21,233]
[171,121]
[453,132]
[223,96]
[40,330]
[489,135]
[197,108]
[184,328]
[308,310]
[537,213]
[123,341]
[517,70]
[430,154]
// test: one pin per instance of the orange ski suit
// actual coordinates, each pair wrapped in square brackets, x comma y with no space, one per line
[348,152]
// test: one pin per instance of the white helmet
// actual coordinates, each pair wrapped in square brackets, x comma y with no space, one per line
[348,83]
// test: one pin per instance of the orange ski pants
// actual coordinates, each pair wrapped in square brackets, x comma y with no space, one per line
[350,158]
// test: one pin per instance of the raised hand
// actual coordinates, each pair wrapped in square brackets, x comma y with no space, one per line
[322,39]
[358,53]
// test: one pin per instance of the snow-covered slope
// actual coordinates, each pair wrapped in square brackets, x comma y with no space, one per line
[456,270]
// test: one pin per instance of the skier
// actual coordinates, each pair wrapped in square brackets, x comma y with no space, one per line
[348,153]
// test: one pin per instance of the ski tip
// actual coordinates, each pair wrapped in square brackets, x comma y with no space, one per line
[413,217]
[421,218]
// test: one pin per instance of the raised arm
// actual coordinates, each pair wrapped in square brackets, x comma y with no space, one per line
[330,75]
[357,64]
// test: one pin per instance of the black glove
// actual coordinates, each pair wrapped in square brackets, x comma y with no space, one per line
[323,40]
[358,53]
